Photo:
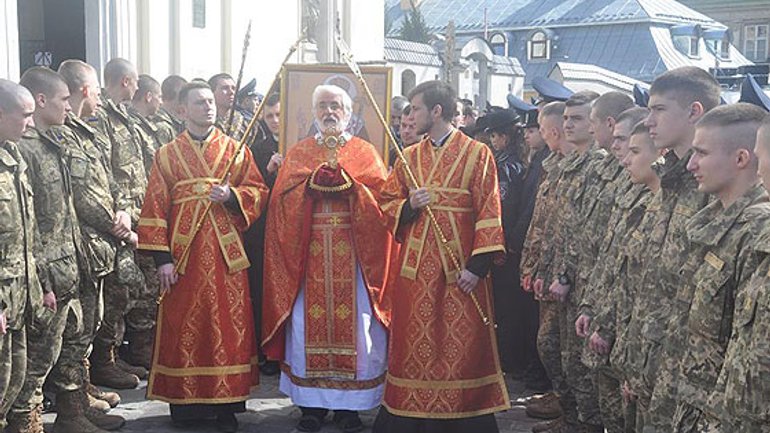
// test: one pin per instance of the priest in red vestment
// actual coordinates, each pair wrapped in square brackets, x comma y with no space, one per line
[326,254]
[204,363]
[443,369]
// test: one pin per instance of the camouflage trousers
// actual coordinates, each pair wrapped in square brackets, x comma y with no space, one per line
[579,377]
[143,303]
[689,419]
[125,282]
[13,368]
[53,352]
[610,399]
[549,350]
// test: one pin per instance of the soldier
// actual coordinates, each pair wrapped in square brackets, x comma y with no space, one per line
[722,258]
[565,286]
[125,157]
[536,260]
[597,204]
[224,89]
[743,386]
[678,99]
[144,105]
[21,299]
[99,218]
[53,349]
[169,109]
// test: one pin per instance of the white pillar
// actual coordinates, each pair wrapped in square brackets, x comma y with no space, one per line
[9,40]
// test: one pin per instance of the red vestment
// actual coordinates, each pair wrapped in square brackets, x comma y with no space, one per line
[443,360]
[205,348]
[318,241]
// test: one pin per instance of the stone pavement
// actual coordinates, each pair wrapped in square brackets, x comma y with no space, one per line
[269,411]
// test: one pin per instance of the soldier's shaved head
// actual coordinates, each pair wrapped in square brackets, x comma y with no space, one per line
[146,84]
[77,74]
[16,109]
[737,124]
[170,88]
[41,80]
[117,69]
[611,104]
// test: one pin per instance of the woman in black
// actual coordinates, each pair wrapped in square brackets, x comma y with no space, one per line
[506,139]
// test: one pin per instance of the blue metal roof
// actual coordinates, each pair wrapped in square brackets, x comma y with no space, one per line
[468,15]
[400,51]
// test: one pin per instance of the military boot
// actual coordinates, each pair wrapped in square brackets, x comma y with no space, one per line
[105,372]
[136,370]
[140,346]
[95,403]
[25,422]
[98,418]
[70,417]
[112,398]
[545,407]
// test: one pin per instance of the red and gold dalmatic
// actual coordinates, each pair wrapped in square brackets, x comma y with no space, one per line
[443,360]
[318,242]
[205,350]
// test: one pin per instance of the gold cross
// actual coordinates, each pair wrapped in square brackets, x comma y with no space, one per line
[335,221]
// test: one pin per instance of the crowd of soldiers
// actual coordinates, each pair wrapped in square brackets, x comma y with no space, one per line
[78,303]
[648,251]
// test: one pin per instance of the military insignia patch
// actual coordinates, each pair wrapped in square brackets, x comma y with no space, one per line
[78,167]
[714,261]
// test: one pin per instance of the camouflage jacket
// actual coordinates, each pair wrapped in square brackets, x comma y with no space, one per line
[154,136]
[167,120]
[603,183]
[58,252]
[538,234]
[744,381]
[601,295]
[125,156]
[21,297]
[571,198]
[238,127]
[94,194]
[720,266]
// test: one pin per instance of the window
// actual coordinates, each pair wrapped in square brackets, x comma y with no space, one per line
[687,45]
[755,42]
[539,46]
[719,47]
[499,44]
[199,14]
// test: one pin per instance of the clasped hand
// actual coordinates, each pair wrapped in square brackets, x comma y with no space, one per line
[221,193]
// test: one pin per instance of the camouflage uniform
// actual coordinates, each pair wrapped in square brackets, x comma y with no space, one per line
[238,127]
[572,204]
[94,195]
[126,160]
[20,293]
[535,263]
[164,119]
[156,135]
[743,387]
[721,265]
[605,293]
[665,252]
[53,349]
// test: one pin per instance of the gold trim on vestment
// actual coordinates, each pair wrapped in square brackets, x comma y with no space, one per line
[222,400]
[332,383]
[444,384]
[330,351]
[470,165]
[153,222]
[451,208]
[488,223]
[152,247]
[205,371]
[446,415]
[322,188]
[489,249]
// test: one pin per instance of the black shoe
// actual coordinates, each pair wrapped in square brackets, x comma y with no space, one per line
[348,421]
[312,419]
[227,423]
[270,368]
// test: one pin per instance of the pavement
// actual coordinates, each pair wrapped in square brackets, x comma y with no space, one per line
[269,411]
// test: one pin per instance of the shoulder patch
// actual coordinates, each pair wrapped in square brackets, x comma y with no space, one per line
[713,260]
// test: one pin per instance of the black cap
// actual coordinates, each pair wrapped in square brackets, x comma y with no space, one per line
[752,93]
[530,119]
[641,96]
[248,90]
[501,119]
[550,90]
